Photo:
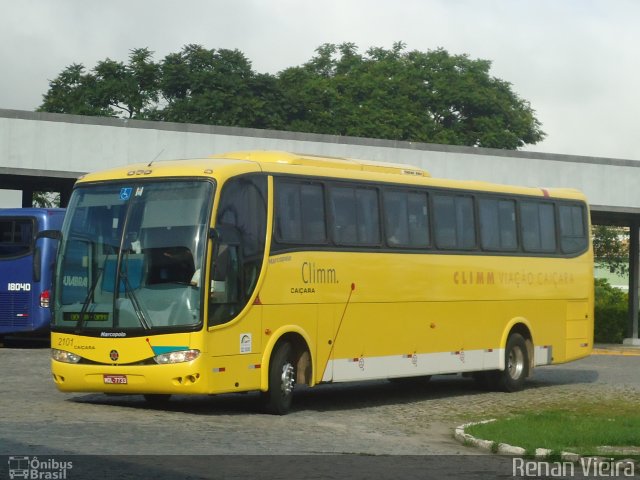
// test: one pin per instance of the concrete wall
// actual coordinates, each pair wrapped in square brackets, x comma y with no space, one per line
[10,199]
[67,145]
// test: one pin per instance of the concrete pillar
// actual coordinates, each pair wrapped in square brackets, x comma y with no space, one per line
[634,278]
[27,197]
[65,194]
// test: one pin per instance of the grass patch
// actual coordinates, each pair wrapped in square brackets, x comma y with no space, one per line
[579,427]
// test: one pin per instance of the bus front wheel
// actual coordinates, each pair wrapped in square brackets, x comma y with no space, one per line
[516,368]
[282,379]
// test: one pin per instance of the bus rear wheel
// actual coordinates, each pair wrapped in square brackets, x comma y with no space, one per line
[516,368]
[282,378]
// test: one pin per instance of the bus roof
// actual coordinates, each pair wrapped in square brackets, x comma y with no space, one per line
[226,165]
[309,160]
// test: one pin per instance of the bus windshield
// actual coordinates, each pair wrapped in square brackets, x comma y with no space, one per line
[131,257]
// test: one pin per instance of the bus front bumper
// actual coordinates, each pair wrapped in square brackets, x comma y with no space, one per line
[181,378]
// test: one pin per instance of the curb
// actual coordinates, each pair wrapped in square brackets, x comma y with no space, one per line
[506,449]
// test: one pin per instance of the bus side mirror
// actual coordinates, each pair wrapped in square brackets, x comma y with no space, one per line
[52,234]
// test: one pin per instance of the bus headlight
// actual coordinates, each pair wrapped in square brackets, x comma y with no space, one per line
[177,357]
[65,357]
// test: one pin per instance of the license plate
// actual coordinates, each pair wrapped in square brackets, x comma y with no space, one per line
[115,379]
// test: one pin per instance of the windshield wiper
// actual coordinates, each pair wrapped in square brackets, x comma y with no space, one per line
[87,300]
[129,292]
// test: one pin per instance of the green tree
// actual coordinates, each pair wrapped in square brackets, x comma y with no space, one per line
[392,94]
[611,248]
[415,96]
[611,313]
[209,86]
[111,89]
[45,199]
[73,91]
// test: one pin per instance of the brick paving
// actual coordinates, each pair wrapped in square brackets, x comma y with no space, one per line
[367,418]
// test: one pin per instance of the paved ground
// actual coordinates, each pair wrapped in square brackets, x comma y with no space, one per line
[373,418]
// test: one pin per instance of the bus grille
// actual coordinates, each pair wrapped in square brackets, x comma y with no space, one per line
[14,309]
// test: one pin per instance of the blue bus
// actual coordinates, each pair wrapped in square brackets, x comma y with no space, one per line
[26,267]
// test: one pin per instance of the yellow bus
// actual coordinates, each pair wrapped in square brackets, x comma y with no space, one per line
[257,271]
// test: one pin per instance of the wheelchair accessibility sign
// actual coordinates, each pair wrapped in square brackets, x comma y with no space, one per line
[125,193]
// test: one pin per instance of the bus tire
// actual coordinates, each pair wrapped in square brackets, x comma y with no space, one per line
[516,364]
[282,378]
[157,399]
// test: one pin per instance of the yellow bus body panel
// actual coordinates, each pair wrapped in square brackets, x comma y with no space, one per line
[362,315]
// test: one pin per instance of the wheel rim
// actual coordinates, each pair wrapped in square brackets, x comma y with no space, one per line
[515,363]
[287,379]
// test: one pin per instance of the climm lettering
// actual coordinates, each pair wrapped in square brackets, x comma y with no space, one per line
[473,278]
[314,274]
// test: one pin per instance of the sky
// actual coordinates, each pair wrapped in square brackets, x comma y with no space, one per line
[575,61]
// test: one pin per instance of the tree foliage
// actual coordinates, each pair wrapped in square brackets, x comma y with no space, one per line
[45,199]
[111,89]
[611,313]
[392,94]
[611,248]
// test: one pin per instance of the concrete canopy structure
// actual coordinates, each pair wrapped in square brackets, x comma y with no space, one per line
[47,152]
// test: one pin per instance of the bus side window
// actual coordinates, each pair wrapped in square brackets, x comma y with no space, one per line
[224,286]
[454,221]
[573,237]
[225,289]
[497,224]
[538,227]
[299,215]
[356,220]
[406,216]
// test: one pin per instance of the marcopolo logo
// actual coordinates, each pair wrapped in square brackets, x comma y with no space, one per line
[38,469]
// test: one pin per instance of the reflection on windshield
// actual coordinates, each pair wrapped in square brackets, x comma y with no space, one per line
[131,256]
